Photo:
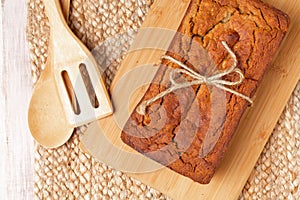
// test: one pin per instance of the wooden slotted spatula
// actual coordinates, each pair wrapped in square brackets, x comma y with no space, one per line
[57,106]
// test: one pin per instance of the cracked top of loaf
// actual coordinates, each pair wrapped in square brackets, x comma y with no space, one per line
[190,129]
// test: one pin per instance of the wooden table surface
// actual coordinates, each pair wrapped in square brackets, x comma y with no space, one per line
[16,144]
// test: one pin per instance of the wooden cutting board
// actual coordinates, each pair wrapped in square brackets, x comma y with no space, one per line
[253,132]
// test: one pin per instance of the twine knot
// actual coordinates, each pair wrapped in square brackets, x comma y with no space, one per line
[214,80]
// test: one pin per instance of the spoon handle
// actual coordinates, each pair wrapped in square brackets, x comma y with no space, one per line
[65,6]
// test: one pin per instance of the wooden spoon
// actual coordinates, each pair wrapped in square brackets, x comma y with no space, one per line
[65,7]
[52,117]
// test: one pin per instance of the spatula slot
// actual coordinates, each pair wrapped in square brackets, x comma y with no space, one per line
[89,86]
[71,92]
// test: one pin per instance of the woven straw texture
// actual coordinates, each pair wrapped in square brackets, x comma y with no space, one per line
[68,173]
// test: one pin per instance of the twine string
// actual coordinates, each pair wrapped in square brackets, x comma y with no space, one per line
[214,80]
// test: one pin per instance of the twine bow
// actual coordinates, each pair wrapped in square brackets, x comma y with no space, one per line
[214,80]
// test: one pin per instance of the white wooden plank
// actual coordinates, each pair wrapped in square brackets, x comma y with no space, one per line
[17,147]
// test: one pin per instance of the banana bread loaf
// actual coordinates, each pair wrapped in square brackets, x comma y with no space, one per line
[189,130]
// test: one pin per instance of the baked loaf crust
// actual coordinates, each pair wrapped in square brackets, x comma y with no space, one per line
[190,129]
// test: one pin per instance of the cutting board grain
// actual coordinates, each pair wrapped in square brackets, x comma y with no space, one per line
[253,132]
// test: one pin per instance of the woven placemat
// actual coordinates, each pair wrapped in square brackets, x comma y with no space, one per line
[69,173]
